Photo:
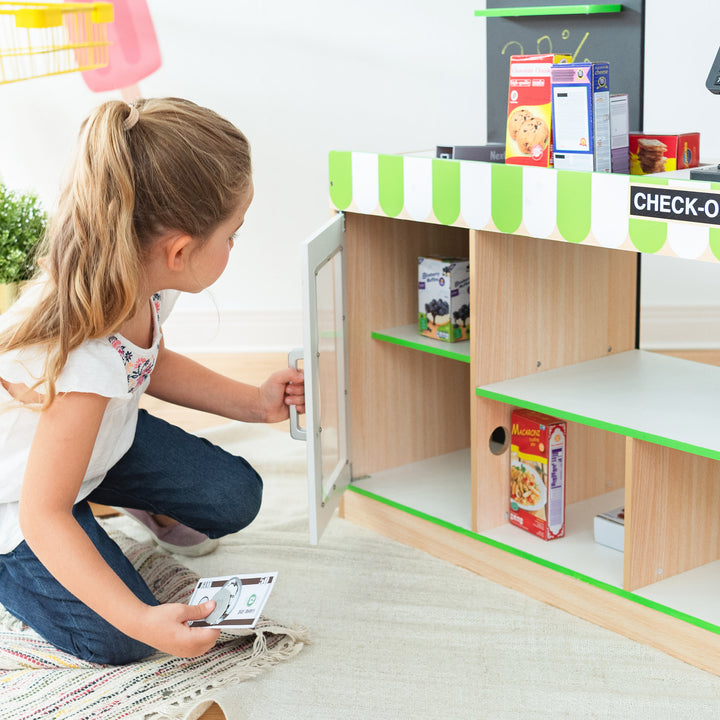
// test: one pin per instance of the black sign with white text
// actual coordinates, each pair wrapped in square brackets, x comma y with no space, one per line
[666,203]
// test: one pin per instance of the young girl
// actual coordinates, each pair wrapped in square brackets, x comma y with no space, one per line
[156,195]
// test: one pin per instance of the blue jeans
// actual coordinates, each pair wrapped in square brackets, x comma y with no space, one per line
[166,471]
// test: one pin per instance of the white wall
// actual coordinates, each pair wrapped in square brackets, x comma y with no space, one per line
[302,79]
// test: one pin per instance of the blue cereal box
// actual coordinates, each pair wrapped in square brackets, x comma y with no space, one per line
[581,116]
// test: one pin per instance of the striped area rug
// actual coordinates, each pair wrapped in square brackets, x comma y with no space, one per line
[37,680]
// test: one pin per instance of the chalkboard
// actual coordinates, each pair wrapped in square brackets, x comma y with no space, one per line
[615,37]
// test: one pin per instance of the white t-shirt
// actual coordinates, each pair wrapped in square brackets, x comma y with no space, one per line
[112,367]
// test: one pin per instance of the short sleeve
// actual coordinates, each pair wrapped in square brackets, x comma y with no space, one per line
[94,367]
[168,298]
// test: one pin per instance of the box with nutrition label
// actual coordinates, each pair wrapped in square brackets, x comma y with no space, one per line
[529,122]
[537,473]
[651,153]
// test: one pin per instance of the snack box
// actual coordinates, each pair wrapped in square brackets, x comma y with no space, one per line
[609,528]
[444,298]
[620,133]
[529,122]
[581,116]
[537,473]
[663,153]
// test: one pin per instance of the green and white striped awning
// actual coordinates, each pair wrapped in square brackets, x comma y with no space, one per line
[576,207]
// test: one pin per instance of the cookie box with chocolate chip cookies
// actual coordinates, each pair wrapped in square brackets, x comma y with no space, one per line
[537,473]
[662,153]
[529,123]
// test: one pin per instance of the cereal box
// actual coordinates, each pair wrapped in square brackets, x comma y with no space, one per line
[444,298]
[529,123]
[537,473]
[581,116]
[663,153]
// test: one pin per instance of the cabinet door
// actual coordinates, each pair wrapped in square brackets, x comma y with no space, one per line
[325,368]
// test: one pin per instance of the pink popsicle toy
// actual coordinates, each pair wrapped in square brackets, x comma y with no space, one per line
[134,51]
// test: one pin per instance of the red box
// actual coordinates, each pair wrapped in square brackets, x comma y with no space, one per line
[537,473]
[651,153]
[528,138]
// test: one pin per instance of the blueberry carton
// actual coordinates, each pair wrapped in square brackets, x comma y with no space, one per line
[444,298]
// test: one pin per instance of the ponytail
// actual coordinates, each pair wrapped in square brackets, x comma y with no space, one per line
[158,166]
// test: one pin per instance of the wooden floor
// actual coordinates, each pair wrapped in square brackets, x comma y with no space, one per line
[254,369]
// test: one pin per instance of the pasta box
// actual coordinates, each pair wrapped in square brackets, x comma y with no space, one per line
[537,473]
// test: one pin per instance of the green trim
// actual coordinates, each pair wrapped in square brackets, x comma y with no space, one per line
[432,350]
[600,424]
[704,624]
[340,175]
[446,191]
[506,201]
[550,10]
[574,212]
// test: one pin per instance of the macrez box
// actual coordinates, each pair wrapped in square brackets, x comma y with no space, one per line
[537,473]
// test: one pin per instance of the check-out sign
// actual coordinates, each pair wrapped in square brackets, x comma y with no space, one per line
[667,203]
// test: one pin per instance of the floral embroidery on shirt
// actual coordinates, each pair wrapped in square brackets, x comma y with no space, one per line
[138,366]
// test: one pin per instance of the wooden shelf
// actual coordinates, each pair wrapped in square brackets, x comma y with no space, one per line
[639,394]
[408,336]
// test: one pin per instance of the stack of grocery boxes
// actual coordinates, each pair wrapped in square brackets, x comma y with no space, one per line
[562,114]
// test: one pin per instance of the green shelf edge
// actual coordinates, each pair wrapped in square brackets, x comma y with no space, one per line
[593,9]
[443,352]
[677,614]
[600,424]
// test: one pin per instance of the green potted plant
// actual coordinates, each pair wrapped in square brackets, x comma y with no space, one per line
[22,225]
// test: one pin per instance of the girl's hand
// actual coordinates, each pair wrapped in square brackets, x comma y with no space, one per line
[166,628]
[282,389]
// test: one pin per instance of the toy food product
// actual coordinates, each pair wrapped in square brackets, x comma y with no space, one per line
[651,153]
[444,298]
[581,116]
[528,138]
[537,473]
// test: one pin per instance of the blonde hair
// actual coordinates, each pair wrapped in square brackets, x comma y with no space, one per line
[170,166]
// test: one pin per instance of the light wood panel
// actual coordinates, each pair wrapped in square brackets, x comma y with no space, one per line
[672,503]
[536,306]
[405,405]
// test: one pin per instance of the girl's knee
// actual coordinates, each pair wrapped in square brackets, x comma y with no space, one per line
[240,506]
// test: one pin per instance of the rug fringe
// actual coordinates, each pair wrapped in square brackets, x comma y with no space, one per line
[261,659]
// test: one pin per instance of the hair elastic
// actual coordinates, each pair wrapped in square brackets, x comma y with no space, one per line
[131,120]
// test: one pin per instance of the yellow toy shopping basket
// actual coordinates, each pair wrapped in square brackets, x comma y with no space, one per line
[40,39]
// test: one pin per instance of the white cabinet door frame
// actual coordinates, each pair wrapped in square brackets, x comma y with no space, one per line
[325,367]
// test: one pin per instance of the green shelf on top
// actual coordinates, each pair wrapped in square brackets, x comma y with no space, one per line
[582,9]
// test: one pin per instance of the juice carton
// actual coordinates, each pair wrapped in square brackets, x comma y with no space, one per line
[581,116]
[529,123]
[663,153]
[444,298]
[537,473]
